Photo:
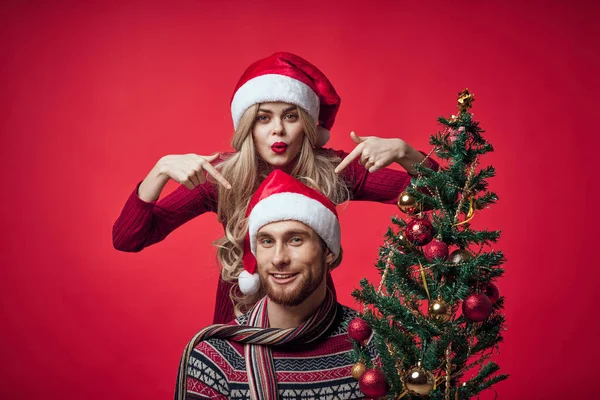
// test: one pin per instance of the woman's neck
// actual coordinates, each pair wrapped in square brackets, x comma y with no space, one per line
[288,168]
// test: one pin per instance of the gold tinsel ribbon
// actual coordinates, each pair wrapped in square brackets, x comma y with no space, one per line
[448,372]
[388,262]
[470,214]
[424,280]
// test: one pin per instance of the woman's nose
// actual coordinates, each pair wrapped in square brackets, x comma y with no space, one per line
[278,128]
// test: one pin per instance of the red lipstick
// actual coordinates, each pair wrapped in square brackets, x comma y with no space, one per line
[279,147]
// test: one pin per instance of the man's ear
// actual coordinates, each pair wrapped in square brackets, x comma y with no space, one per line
[329,257]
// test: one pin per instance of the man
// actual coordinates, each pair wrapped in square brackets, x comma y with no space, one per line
[293,343]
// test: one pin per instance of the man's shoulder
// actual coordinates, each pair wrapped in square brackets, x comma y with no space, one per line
[345,315]
[211,345]
[348,314]
[222,351]
[217,358]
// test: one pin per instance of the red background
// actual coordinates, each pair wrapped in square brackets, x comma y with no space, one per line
[94,94]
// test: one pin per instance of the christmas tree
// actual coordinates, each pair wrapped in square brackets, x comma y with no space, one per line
[436,314]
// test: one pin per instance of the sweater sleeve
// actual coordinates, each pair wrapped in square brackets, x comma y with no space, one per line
[142,224]
[383,186]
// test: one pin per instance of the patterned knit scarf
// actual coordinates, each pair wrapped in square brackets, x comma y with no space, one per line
[258,339]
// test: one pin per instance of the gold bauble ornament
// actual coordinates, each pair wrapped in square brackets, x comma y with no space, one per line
[419,381]
[459,256]
[358,370]
[439,310]
[407,203]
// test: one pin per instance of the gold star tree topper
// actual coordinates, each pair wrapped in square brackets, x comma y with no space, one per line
[465,100]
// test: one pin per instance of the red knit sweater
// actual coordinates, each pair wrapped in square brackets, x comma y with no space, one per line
[142,224]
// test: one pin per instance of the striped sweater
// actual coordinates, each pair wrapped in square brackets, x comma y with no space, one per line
[321,370]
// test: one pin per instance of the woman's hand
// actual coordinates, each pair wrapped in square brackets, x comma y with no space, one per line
[187,169]
[376,153]
[190,169]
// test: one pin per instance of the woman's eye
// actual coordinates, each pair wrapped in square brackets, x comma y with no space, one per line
[291,117]
[262,118]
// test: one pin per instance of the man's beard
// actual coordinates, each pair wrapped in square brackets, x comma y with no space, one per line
[306,285]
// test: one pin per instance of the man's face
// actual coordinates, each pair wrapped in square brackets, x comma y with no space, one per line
[292,261]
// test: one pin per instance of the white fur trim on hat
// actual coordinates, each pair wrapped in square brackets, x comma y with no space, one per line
[293,206]
[271,88]
[248,283]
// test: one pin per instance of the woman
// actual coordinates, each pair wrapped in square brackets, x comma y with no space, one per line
[282,109]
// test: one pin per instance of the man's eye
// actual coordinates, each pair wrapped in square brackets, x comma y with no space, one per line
[296,240]
[266,242]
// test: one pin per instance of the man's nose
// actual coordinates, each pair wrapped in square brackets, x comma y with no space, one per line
[280,257]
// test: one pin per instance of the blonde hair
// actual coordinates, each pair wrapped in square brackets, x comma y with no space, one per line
[245,170]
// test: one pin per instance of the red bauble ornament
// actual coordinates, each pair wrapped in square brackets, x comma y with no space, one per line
[419,231]
[359,330]
[492,292]
[373,384]
[435,249]
[477,307]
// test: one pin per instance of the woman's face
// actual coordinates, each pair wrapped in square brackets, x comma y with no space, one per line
[278,133]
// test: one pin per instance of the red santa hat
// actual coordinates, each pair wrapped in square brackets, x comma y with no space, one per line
[290,79]
[283,198]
